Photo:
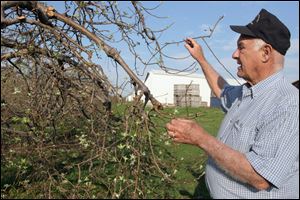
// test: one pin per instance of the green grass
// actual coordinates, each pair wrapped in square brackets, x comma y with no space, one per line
[189,179]
[191,160]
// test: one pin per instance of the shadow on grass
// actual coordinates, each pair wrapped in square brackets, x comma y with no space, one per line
[200,191]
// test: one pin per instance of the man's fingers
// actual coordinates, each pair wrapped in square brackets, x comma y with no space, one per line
[189,43]
[188,47]
[170,127]
[171,130]
[171,134]
[176,125]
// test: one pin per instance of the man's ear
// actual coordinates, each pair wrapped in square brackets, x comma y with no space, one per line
[266,52]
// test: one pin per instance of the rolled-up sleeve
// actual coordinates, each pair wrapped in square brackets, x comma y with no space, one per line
[275,152]
[228,95]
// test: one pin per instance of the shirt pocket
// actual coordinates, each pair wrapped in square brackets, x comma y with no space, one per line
[242,137]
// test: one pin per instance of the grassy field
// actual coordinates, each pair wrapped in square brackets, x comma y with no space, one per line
[191,160]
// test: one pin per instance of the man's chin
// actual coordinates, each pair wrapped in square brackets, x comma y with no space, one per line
[239,74]
[242,76]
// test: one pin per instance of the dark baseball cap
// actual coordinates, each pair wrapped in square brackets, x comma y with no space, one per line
[269,28]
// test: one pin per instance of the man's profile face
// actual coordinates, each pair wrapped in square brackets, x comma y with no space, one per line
[247,57]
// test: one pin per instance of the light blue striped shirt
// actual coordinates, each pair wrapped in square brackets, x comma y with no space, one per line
[262,122]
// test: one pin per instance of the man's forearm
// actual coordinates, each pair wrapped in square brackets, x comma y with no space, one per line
[215,81]
[232,162]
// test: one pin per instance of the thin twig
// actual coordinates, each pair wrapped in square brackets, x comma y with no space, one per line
[202,36]
[220,62]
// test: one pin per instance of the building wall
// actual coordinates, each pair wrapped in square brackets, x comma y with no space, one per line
[161,85]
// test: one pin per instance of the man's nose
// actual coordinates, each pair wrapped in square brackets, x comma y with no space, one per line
[235,54]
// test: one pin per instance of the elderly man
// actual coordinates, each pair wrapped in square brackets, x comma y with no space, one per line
[256,152]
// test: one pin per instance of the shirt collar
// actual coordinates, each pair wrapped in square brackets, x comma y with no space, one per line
[262,86]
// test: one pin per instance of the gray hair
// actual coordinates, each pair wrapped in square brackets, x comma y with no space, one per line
[278,58]
[258,43]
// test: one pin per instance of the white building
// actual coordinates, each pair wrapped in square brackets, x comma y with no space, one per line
[175,88]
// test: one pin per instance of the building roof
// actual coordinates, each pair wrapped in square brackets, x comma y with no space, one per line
[175,73]
[188,75]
